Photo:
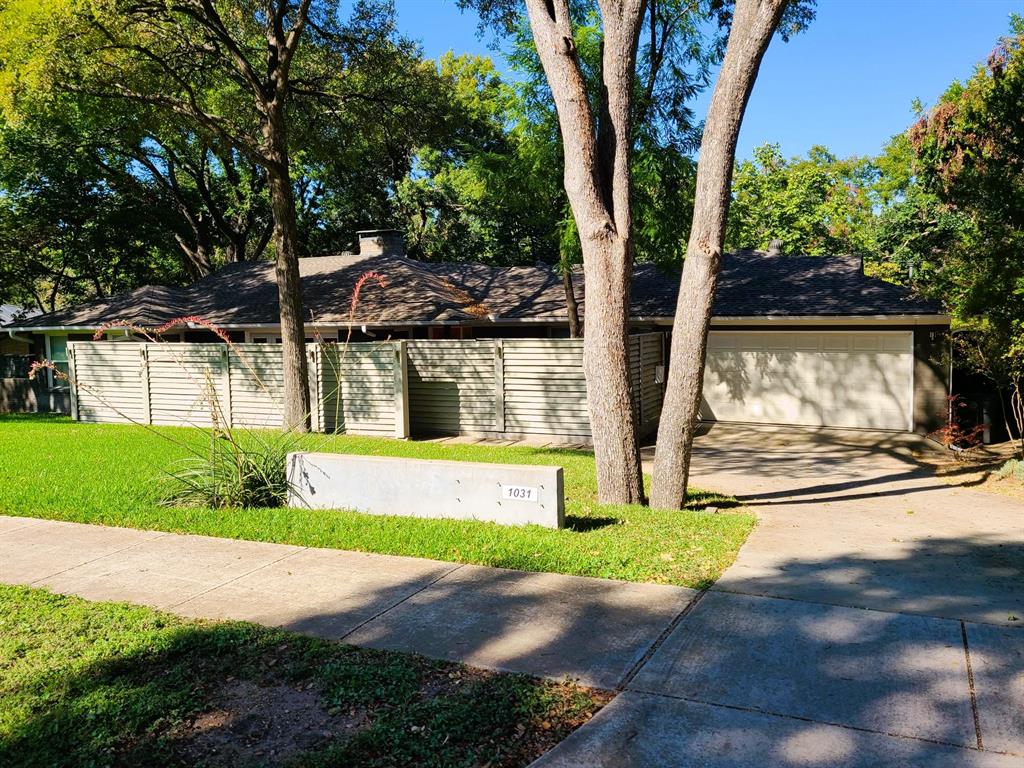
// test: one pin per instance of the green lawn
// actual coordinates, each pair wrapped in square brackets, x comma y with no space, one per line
[114,474]
[103,684]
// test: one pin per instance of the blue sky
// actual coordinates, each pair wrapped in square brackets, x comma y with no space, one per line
[847,82]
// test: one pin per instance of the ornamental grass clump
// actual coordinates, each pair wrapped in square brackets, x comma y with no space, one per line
[238,471]
[1013,468]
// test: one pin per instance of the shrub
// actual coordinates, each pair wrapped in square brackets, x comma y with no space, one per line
[953,434]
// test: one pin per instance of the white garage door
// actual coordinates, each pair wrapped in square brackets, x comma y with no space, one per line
[834,379]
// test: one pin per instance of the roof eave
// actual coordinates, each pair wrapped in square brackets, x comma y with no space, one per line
[908,318]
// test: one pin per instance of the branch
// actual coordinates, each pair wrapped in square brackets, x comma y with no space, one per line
[208,121]
[551,25]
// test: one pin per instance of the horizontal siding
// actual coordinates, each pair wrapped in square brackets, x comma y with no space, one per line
[645,356]
[450,384]
[109,381]
[357,385]
[545,389]
[257,385]
[451,387]
[186,384]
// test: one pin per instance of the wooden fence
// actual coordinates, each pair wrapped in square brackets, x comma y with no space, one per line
[490,388]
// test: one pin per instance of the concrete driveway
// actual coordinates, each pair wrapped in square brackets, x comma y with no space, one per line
[854,518]
[875,617]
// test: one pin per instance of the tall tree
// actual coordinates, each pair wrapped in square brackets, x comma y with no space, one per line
[611,96]
[816,205]
[596,141]
[753,24]
[241,75]
[66,234]
[969,157]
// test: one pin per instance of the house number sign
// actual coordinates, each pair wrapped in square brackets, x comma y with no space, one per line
[519,493]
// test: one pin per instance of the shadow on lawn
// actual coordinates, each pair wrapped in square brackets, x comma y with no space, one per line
[235,694]
[582,524]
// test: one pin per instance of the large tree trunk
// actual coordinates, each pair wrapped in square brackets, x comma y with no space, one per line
[597,183]
[237,246]
[754,23]
[286,269]
[195,258]
[606,366]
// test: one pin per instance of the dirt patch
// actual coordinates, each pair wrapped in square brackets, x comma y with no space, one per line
[978,469]
[265,724]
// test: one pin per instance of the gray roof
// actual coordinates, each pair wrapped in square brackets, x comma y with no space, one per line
[10,313]
[752,284]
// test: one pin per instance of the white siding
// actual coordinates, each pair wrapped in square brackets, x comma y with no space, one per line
[365,401]
[186,382]
[491,388]
[111,381]
[257,385]
[545,389]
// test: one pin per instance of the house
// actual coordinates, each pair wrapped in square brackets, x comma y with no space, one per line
[10,314]
[794,340]
[16,391]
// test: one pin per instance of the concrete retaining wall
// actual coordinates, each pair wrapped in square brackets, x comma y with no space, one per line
[508,494]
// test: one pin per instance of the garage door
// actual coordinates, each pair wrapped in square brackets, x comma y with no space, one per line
[834,379]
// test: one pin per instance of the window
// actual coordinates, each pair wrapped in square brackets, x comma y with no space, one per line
[57,353]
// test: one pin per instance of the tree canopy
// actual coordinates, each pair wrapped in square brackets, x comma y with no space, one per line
[968,153]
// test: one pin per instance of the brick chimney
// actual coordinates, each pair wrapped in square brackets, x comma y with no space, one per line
[381,242]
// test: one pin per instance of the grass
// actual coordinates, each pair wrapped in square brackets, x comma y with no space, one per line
[113,474]
[99,684]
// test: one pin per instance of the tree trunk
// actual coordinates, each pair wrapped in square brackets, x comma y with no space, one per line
[606,366]
[236,247]
[1017,405]
[286,270]
[572,307]
[195,258]
[597,184]
[754,23]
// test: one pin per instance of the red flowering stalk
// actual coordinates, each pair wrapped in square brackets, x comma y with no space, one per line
[220,333]
[336,361]
[363,280]
[135,329]
[45,365]
[356,291]
[202,322]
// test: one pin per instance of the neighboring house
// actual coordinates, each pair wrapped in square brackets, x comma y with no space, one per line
[794,340]
[16,392]
[12,314]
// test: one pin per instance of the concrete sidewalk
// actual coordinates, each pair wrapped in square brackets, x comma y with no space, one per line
[716,679]
[594,630]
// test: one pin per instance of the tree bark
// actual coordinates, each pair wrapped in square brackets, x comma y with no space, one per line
[286,270]
[754,23]
[597,183]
